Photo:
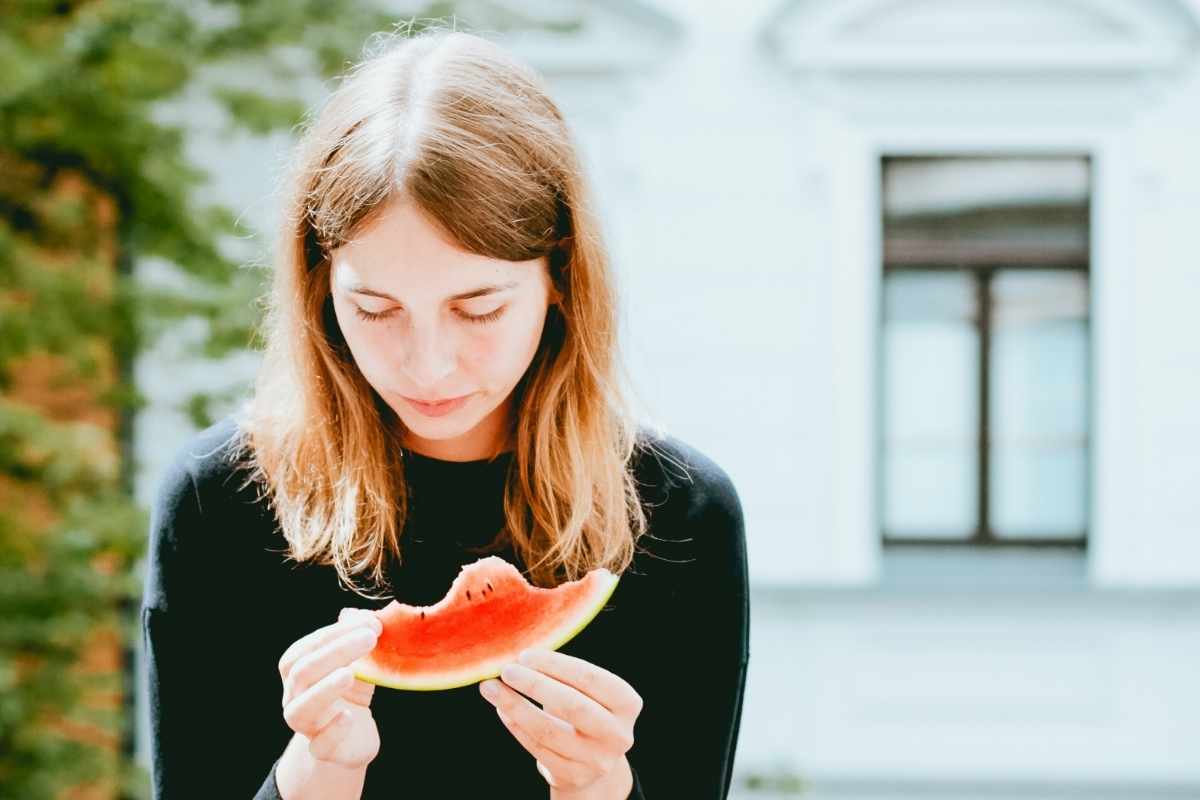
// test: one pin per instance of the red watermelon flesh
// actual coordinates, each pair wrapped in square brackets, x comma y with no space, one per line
[488,616]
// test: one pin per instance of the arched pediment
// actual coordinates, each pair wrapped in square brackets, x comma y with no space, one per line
[958,36]
[576,37]
[1038,57]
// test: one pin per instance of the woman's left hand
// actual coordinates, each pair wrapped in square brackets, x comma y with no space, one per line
[584,728]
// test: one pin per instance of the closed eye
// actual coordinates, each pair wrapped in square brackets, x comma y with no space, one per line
[480,318]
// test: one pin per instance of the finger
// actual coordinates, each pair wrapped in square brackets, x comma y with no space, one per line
[325,659]
[360,692]
[361,613]
[543,727]
[564,772]
[568,703]
[325,743]
[319,637]
[609,690]
[317,706]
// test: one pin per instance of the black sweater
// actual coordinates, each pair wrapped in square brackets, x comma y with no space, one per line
[221,604]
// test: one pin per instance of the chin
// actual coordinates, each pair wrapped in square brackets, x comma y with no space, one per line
[437,428]
[454,421]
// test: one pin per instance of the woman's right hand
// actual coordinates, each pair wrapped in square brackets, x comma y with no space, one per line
[322,700]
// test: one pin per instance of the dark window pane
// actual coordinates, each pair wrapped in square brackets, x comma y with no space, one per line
[1038,436]
[973,212]
[931,405]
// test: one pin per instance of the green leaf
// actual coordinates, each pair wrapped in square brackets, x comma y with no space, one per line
[260,113]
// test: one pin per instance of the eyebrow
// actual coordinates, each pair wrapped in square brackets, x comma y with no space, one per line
[480,292]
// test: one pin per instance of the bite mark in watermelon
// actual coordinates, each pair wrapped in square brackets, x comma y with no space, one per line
[488,616]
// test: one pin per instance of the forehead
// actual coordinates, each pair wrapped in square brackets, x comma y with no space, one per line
[400,241]
[401,253]
[352,272]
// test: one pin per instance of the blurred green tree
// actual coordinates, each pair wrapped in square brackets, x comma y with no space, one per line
[91,178]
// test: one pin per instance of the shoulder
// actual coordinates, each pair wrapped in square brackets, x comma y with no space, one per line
[693,507]
[189,515]
[693,551]
[670,470]
[210,454]
[201,477]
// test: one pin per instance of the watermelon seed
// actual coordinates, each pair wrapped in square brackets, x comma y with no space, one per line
[468,594]
[422,615]
[489,583]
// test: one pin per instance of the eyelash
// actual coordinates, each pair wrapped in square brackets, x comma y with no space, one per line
[482,318]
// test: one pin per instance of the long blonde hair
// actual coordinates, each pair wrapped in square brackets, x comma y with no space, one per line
[451,121]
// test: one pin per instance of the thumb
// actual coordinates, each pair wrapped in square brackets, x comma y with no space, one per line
[360,613]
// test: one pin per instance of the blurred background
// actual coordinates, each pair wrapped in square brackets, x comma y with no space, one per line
[921,275]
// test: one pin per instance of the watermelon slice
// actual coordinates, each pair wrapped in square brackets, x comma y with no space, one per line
[488,616]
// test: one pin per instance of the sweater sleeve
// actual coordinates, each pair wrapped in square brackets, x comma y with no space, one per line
[686,736]
[206,740]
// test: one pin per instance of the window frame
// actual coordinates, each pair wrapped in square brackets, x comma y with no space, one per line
[982,274]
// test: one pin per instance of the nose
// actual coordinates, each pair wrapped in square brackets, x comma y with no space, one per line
[429,359]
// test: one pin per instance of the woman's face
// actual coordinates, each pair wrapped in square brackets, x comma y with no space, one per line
[453,325]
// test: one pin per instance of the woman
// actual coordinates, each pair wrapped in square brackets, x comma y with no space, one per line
[440,382]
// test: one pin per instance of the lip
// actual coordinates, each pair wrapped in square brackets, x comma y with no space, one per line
[437,409]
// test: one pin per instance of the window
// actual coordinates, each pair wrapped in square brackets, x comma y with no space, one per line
[984,351]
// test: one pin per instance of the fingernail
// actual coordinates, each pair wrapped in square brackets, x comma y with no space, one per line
[488,689]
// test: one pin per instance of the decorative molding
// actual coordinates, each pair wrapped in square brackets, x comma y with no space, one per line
[588,38]
[1038,60]
[954,37]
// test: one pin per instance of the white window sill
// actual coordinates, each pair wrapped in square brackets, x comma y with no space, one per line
[929,567]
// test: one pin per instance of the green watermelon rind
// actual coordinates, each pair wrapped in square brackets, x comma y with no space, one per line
[436,683]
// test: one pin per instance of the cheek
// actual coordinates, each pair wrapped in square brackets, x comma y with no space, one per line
[349,326]
[504,351]
[367,342]
[487,352]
